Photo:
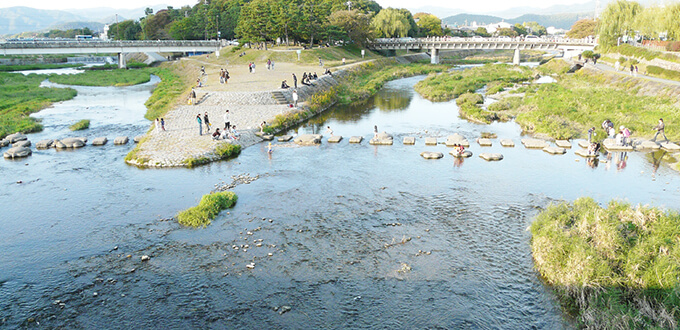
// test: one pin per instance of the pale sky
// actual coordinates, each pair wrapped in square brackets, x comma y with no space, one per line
[473,6]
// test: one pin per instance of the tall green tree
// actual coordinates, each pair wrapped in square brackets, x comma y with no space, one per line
[582,28]
[617,20]
[256,23]
[355,24]
[671,21]
[535,29]
[391,23]
[428,25]
[520,29]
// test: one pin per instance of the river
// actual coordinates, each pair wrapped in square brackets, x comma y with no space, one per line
[360,236]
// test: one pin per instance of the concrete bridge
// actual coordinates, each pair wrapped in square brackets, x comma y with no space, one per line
[570,47]
[120,47]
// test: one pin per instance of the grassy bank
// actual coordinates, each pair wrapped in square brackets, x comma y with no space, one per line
[167,93]
[447,86]
[614,267]
[80,125]
[22,95]
[222,151]
[206,210]
[117,77]
[37,66]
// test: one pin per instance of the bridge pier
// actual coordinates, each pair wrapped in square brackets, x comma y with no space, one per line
[434,56]
[122,64]
[515,57]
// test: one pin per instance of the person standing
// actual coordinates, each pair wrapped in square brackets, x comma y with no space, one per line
[660,129]
[163,124]
[632,68]
[375,131]
[295,98]
[158,124]
[343,61]
[590,133]
[192,95]
[320,62]
[294,81]
[200,124]
[206,121]
[227,124]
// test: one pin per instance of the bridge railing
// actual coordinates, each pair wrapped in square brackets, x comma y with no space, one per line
[435,40]
[109,43]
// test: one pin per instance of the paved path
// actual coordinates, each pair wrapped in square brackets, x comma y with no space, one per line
[608,68]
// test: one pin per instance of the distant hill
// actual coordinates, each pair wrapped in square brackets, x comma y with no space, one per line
[19,19]
[562,21]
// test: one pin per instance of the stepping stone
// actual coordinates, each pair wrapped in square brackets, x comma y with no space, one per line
[465,154]
[81,138]
[484,142]
[646,145]
[285,138]
[100,141]
[555,150]
[69,143]
[4,143]
[17,152]
[15,137]
[382,139]
[356,139]
[335,139]
[611,145]
[534,143]
[24,143]
[409,140]
[583,144]
[267,137]
[121,140]
[456,138]
[135,140]
[430,141]
[308,139]
[584,153]
[490,157]
[431,155]
[563,144]
[44,144]
[670,146]
[507,143]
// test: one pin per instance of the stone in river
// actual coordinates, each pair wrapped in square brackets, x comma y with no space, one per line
[507,143]
[409,140]
[44,144]
[16,137]
[484,142]
[335,139]
[356,139]
[645,145]
[563,144]
[24,143]
[431,155]
[308,139]
[670,146]
[82,138]
[17,152]
[285,138]
[267,137]
[555,150]
[121,140]
[69,143]
[584,153]
[465,154]
[100,141]
[430,141]
[583,143]
[490,156]
[534,143]
[611,145]
[456,138]
[4,143]
[382,139]
[135,140]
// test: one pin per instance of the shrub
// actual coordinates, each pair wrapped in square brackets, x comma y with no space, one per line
[471,98]
[226,150]
[659,71]
[80,125]
[206,210]
[673,46]
[193,162]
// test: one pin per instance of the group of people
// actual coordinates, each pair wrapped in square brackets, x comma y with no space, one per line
[160,124]
[251,67]
[622,136]
[270,64]
[460,149]
[307,78]
[224,76]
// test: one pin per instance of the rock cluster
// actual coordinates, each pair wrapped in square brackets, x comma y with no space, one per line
[308,139]
[456,138]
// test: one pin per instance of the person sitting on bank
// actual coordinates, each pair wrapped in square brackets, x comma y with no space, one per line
[216,135]
[328,72]
[284,85]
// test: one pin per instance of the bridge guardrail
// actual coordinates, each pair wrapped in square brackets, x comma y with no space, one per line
[108,44]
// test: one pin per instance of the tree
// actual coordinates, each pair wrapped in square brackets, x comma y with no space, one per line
[506,32]
[482,32]
[356,25]
[154,26]
[126,30]
[391,23]
[671,21]
[521,30]
[256,23]
[617,21]
[429,25]
[535,28]
[648,23]
[582,28]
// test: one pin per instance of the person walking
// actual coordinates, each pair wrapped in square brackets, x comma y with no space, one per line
[295,98]
[632,68]
[200,124]
[192,95]
[163,124]
[158,123]
[227,124]
[206,121]
[294,81]
[590,134]
[660,129]
[329,130]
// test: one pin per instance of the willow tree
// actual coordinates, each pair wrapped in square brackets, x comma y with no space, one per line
[391,23]
[672,27]
[648,22]
[617,20]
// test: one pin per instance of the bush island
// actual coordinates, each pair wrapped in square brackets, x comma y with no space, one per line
[80,125]
[206,210]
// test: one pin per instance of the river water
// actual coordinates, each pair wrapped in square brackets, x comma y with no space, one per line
[360,236]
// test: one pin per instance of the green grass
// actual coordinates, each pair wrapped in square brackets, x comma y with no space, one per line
[663,73]
[206,210]
[37,66]
[166,94]
[80,125]
[116,77]
[613,267]
[22,95]
[645,53]
[447,86]
[227,150]
[193,162]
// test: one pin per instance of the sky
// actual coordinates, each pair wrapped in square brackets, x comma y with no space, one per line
[472,6]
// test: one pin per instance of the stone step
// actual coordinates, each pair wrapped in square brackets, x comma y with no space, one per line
[484,142]
[356,139]
[430,141]
[563,144]
[670,147]
[490,156]
[555,150]
[409,140]
[507,143]
[280,97]
[335,139]
[285,138]
[534,143]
